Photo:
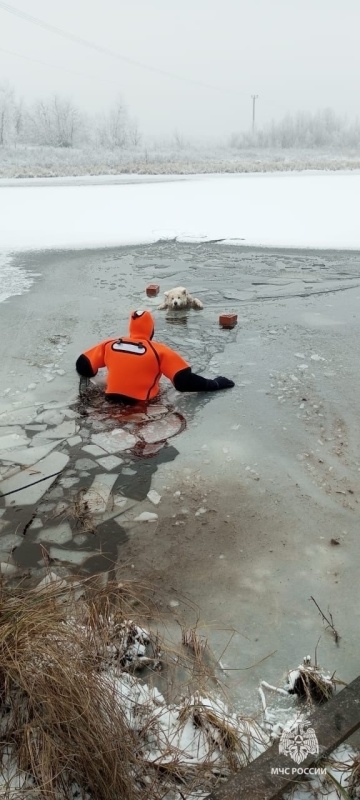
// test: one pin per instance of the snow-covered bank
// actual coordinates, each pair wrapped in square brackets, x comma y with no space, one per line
[285,210]
[164,157]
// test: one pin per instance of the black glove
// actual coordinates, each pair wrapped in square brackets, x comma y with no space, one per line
[223,383]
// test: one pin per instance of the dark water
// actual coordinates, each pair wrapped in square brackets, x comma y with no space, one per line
[226,278]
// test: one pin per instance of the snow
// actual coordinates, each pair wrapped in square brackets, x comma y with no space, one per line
[312,209]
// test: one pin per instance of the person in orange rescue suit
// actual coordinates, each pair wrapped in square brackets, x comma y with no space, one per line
[135,365]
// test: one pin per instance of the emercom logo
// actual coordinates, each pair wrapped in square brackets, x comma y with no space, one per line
[299,742]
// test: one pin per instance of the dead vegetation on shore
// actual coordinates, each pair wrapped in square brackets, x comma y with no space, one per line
[77,723]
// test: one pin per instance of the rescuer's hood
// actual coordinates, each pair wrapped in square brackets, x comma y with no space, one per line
[141,325]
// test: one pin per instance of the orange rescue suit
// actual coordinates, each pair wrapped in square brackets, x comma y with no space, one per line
[135,364]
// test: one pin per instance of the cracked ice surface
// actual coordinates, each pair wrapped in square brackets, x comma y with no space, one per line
[29,456]
[22,492]
[12,440]
[114,442]
[97,497]
[71,556]
[58,534]
[161,429]
[63,431]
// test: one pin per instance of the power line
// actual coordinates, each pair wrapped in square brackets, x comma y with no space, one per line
[55,66]
[99,48]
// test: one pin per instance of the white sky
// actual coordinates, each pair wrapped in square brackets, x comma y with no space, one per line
[295,54]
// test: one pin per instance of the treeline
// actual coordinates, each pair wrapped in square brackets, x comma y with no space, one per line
[321,129]
[58,122]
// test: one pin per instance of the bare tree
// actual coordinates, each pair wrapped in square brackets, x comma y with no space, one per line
[6,113]
[321,129]
[179,140]
[114,129]
[18,121]
[55,122]
[134,133]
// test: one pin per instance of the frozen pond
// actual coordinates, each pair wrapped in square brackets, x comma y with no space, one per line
[239,506]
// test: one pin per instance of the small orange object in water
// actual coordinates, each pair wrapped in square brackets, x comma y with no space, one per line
[152,289]
[228,320]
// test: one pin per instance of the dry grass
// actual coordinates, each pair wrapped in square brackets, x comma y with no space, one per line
[60,720]
[70,717]
[61,717]
[79,513]
[354,780]
[312,686]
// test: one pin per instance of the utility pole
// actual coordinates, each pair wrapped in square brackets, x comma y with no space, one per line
[254,98]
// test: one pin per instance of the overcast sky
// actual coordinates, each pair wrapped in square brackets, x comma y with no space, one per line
[295,54]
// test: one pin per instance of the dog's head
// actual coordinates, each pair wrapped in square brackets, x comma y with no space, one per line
[177,298]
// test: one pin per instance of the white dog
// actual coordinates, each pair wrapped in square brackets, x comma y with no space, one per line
[180,298]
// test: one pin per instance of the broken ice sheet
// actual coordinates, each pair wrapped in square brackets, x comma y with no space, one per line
[63,431]
[71,556]
[12,440]
[97,497]
[154,497]
[119,500]
[30,455]
[110,462]
[74,440]
[161,429]
[146,516]
[8,569]
[156,410]
[28,486]
[114,442]
[85,463]
[51,416]
[9,541]
[17,416]
[67,483]
[94,450]
[59,534]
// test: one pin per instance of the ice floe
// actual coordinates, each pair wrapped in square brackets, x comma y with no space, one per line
[97,497]
[161,429]
[146,516]
[28,486]
[110,462]
[114,442]
[58,534]
[154,497]
[11,441]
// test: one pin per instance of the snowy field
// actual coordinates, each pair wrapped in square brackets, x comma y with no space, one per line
[286,210]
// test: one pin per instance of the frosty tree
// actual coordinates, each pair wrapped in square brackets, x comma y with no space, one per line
[55,122]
